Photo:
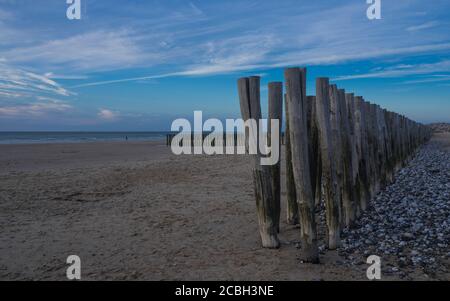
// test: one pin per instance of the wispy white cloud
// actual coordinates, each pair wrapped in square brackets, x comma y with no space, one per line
[243,63]
[9,94]
[201,40]
[96,50]
[309,36]
[123,80]
[423,26]
[196,9]
[24,93]
[108,115]
[35,109]
[15,81]
[51,75]
[432,79]
[442,66]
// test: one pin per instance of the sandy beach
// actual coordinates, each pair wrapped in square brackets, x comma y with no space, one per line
[133,210]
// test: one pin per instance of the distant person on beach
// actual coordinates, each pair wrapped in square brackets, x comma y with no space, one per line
[126,138]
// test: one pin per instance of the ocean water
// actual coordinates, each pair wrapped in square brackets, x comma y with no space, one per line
[76,137]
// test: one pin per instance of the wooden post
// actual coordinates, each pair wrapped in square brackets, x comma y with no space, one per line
[347,193]
[336,151]
[381,150]
[292,208]
[398,142]
[297,104]
[376,153]
[371,146]
[329,176]
[354,140]
[389,118]
[361,149]
[365,110]
[276,112]
[249,96]
[314,151]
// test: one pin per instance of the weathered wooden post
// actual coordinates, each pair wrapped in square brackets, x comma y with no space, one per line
[381,150]
[276,112]
[376,153]
[329,176]
[297,104]
[362,149]
[336,152]
[369,154]
[292,207]
[347,193]
[355,145]
[389,120]
[249,96]
[397,143]
[314,151]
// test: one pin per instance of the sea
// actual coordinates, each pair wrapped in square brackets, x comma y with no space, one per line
[77,137]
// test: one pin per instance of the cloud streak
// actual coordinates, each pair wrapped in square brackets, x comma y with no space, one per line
[98,50]
[401,71]
[34,109]
[19,81]
[426,25]
[436,78]
[199,39]
[225,66]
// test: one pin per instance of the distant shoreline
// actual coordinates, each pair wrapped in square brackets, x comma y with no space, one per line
[82,142]
[13,138]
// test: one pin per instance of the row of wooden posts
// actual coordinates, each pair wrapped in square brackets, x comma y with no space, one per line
[339,149]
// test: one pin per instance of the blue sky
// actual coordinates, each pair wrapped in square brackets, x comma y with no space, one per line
[137,65]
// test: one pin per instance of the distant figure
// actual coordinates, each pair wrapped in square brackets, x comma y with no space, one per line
[126,138]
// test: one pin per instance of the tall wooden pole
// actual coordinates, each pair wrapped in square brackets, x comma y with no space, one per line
[348,194]
[355,145]
[336,149]
[329,175]
[314,151]
[249,96]
[365,157]
[297,103]
[291,195]
[276,113]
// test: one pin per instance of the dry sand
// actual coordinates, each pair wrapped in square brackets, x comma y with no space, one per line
[135,211]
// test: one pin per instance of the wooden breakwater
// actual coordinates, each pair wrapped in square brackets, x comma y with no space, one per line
[340,149]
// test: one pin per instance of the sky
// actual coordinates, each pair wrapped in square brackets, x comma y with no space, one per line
[137,65]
